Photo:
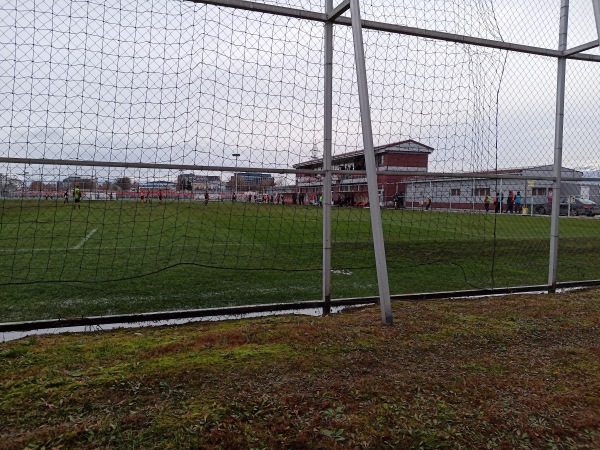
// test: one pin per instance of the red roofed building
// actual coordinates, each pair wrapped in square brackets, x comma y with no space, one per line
[403,156]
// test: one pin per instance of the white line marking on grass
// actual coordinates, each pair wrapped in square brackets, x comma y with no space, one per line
[85,239]
[123,248]
[33,250]
[203,246]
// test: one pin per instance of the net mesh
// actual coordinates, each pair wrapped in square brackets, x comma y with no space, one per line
[225,103]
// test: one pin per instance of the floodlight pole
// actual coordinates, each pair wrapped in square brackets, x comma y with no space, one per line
[327,145]
[558,143]
[236,156]
[365,118]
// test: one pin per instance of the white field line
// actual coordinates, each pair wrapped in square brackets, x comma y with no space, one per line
[53,249]
[148,247]
[85,239]
[34,250]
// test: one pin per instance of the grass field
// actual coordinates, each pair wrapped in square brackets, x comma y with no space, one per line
[129,257]
[518,372]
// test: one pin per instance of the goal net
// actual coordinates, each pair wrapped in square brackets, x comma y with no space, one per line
[169,155]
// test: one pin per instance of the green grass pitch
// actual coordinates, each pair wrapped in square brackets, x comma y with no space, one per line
[114,257]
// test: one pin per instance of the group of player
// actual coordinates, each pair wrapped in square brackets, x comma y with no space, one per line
[76,197]
[144,198]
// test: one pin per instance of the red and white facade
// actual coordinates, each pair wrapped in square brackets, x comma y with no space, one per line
[403,156]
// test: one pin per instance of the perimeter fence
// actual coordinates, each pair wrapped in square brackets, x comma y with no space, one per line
[171,156]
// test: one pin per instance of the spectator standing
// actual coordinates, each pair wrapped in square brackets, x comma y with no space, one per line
[510,202]
[518,203]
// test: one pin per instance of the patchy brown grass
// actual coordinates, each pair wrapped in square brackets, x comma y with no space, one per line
[502,372]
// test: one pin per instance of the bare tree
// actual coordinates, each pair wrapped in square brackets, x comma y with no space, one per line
[124,183]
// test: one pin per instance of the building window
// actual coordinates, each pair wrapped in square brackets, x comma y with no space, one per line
[455,192]
[379,160]
[538,191]
[481,191]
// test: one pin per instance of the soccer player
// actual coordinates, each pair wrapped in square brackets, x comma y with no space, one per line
[66,196]
[77,197]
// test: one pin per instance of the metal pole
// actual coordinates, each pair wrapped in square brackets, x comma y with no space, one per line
[365,118]
[236,155]
[558,143]
[501,197]
[596,4]
[327,144]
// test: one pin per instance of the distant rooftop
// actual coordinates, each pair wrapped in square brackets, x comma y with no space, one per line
[406,146]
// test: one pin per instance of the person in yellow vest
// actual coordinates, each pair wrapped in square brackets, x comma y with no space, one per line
[486,202]
[77,197]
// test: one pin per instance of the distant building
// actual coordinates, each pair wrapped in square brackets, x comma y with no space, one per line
[403,156]
[193,182]
[83,183]
[469,193]
[251,181]
[158,185]
[460,193]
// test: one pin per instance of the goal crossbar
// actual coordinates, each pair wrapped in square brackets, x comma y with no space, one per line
[402,29]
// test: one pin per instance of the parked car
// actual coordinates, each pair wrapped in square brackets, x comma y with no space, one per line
[579,207]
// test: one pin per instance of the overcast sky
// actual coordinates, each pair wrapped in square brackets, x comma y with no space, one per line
[176,82]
